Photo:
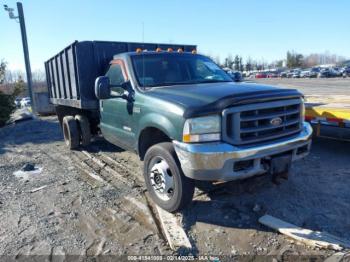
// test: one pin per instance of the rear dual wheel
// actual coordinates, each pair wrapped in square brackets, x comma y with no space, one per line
[70,132]
[84,129]
[76,131]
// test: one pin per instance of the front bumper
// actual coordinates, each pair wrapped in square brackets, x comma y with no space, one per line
[217,161]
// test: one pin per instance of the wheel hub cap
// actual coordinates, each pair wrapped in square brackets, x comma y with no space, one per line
[161,179]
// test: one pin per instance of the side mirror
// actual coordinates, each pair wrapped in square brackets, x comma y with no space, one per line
[102,87]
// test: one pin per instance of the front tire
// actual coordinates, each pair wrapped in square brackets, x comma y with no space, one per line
[167,185]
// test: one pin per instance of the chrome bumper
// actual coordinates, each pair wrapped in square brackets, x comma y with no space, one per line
[216,161]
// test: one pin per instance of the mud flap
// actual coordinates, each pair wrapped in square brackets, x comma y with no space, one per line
[279,167]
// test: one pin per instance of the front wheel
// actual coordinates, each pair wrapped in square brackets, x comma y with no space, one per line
[167,185]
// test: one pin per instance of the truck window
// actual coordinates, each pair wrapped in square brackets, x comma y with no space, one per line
[202,70]
[165,69]
[115,75]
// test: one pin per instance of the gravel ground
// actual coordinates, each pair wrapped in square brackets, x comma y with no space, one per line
[316,197]
[73,214]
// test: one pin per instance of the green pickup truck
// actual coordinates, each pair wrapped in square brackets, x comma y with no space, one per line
[179,111]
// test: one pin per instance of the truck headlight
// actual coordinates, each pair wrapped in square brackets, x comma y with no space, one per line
[202,129]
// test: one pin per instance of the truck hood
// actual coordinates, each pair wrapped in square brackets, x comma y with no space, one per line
[203,99]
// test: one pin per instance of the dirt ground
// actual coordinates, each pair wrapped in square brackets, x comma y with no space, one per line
[63,209]
[73,214]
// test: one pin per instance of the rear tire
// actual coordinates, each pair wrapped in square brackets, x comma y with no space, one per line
[179,191]
[70,132]
[84,128]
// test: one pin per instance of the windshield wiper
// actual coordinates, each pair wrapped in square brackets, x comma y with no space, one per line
[171,84]
[212,81]
[187,83]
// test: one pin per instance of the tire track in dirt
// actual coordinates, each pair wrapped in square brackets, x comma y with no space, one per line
[144,211]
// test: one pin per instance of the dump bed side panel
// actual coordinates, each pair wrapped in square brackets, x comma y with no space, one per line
[62,78]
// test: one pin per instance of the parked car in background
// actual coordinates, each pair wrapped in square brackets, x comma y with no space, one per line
[283,74]
[236,76]
[337,71]
[324,73]
[290,74]
[296,74]
[314,72]
[309,72]
[261,75]
[328,72]
[305,73]
[272,75]
[25,102]
[18,102]
[346,71]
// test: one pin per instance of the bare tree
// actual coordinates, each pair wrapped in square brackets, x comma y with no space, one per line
[13,76]
[236,62]
[249,64]
[325,58]
[3,65]
[38,76]
[229,61]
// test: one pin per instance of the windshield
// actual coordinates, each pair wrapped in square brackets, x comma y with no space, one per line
[164,69]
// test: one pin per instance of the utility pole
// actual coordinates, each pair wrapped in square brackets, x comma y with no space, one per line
[25,47]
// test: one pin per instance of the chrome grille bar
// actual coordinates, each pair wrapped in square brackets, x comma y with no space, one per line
[262,121]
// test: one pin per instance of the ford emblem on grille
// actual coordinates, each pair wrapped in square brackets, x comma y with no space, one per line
[276,121]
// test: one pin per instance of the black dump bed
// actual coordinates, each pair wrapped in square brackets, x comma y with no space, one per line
[71,74]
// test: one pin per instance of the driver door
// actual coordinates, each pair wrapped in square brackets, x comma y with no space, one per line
[115,118]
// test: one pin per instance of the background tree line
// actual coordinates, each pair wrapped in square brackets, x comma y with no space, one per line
[292,60]
[10,78]
[7,101]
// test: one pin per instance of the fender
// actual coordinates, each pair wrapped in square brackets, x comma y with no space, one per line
[160,122]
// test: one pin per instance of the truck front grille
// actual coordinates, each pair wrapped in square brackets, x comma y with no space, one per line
[261,122]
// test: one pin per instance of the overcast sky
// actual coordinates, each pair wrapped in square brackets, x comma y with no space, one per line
[263,30]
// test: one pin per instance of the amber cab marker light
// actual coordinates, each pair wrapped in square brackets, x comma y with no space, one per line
[158,49]
[194,51]
[138,50]
[180,50]
[170,49]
